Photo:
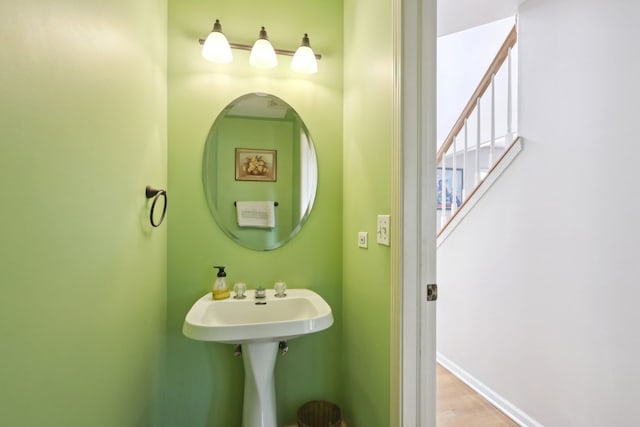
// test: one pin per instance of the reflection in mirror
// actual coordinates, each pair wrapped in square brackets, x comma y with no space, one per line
[259,152]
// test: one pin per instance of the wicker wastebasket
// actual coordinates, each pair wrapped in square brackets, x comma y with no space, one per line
[319,413]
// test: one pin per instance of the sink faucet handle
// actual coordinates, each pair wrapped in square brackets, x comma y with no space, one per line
[261,292]
[280,288]
[239,288]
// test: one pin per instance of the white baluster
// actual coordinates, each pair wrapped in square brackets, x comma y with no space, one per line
[509,135]
[464,163]
[478,137]
[454,178]
[492,145]
[443,192]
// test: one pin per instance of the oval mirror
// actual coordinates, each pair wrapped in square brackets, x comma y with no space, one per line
[260,171]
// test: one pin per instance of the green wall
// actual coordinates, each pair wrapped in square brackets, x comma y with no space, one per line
[204,381]
[83,302]
[82,274]
[224,190]
[368,102]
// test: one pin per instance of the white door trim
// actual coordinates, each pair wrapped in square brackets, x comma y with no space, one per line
[417,185]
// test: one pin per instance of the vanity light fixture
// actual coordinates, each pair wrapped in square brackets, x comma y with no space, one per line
[217,49]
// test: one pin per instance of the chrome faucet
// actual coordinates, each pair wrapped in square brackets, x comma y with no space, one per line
[261,292]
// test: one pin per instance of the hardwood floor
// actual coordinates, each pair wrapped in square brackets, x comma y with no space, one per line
[457,405]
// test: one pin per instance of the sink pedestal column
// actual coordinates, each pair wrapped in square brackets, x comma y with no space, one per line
[259,407]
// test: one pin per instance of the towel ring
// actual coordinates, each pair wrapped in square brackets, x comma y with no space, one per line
[156,194]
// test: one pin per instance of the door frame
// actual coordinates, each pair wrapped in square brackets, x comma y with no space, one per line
[414,174]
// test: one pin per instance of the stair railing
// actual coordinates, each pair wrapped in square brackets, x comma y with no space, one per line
[455,186]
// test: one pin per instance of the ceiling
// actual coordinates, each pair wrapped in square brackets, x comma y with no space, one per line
[458,15]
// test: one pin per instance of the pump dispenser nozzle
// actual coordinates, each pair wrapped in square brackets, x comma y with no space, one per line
[220,290]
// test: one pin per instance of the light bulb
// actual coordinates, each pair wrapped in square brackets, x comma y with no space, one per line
[216,47]
[262,53]
[304,60]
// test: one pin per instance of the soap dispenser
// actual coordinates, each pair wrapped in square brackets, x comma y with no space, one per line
[220,290]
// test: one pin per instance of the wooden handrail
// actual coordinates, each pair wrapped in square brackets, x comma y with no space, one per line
[501,56]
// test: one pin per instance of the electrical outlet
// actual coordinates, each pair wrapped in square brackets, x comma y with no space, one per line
[363,239]
[383,229]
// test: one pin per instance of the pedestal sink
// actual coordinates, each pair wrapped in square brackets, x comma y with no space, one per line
[258,324]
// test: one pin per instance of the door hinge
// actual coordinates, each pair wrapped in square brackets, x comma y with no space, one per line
[432,292]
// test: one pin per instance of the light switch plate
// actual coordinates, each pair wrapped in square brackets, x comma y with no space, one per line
[363,239]
[383,229]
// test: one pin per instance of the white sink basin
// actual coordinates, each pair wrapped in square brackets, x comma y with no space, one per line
[259,325]
[238,321]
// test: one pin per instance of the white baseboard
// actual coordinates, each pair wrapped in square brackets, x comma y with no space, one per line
[510,410]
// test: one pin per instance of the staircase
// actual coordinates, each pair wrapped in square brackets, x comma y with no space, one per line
[482,140]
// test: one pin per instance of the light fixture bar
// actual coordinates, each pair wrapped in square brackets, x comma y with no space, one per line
[247,47]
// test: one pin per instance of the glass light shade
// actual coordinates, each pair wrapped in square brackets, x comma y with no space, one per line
[262,53]
[304,61]
[216,48]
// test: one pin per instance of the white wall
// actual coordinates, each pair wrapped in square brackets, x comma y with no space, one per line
[457,15]
[545,310]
